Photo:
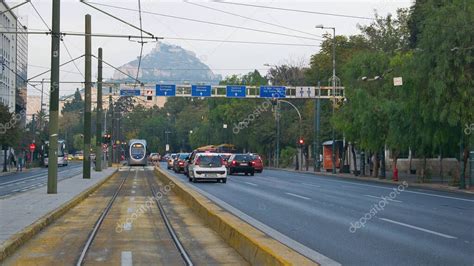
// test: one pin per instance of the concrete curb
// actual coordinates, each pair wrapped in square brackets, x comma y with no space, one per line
[383,181]
[8,247]
[253,245]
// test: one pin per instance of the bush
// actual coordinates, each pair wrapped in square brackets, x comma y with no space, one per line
[286,156]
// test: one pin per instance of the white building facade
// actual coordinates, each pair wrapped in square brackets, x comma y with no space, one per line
[13,60]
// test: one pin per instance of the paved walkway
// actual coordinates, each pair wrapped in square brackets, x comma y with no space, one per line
[19,211]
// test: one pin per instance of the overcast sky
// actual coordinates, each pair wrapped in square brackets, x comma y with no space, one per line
[223,58]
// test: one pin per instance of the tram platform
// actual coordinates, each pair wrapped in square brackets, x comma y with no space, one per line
[22,215]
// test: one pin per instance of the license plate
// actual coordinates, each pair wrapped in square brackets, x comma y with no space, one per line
[210,175]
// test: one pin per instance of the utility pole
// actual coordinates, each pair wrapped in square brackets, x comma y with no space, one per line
[317,124]
[277,116]
[111,112]
[54,101]
[333,97]
[87,102]
[98,138]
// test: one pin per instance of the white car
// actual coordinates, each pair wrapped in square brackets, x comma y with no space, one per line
[207,166]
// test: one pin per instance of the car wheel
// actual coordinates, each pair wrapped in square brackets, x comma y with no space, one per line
[224,180]
[194,180]
[252,173]
[246,173]
[189,178]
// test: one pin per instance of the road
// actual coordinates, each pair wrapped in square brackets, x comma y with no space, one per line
[414,227]
[23,181]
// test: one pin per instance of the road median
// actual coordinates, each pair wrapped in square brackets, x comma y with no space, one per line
[252,244]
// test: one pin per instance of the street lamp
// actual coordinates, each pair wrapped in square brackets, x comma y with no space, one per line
[299,126]
[333,90]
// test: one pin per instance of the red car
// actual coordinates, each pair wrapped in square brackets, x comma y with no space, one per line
[257,163]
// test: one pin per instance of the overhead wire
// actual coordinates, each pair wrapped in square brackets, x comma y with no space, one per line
[294,10]
[209,22]
[64,43]
[253,19]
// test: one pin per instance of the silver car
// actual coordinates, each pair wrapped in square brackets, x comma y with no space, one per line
[207,166]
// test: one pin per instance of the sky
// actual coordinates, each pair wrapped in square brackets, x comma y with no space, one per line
[222,57]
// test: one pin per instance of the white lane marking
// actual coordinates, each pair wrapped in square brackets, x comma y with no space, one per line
[380,198]
[127,226]
[306,251]
[126,258]
[405,191]
[418,228]
[298,196]
[252,184]
[308,184]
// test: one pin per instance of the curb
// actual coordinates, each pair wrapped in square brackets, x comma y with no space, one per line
[253,245]
[383,181]
[17,240]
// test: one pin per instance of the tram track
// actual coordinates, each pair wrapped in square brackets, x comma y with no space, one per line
[163,217]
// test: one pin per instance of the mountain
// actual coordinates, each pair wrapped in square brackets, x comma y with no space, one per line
[169,64]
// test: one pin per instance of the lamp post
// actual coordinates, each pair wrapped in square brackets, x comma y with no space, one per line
[333,91]
[299,127]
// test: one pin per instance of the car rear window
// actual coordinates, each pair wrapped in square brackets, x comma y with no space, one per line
[243,157]
[210,160]
[183,155]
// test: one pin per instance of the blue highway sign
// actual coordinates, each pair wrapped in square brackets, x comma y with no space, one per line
[165,90]
[201,90]
[129,92]
[236,91]
[272,92]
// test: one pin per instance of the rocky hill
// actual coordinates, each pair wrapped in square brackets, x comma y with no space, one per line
[169,64]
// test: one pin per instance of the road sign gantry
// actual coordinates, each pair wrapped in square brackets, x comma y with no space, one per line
[233,91]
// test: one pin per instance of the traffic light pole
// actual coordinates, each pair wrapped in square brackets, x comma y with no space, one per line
[317,145]
[54,102]
[87,103]
[98,137]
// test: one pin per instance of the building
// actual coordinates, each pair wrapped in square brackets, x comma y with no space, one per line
[22,72]
[13,58]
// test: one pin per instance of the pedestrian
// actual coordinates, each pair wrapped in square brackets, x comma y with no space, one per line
[19,165]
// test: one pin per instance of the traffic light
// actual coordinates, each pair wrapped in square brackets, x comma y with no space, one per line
[301,142]
[106,138]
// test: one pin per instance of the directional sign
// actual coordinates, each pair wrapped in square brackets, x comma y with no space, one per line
[129,92]
[201,90]
[272,92]
[305,92]
[165,90]
[234,91]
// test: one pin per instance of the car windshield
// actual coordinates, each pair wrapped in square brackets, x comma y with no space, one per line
[210,160]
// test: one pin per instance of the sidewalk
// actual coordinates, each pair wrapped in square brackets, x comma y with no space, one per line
[410,179]
[22,210]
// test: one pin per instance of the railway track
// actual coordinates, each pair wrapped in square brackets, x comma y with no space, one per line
[97,226]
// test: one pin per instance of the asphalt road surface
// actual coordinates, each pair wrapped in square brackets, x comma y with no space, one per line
[356,222]
[20,182]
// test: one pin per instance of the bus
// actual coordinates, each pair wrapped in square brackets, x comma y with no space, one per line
[62,154]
